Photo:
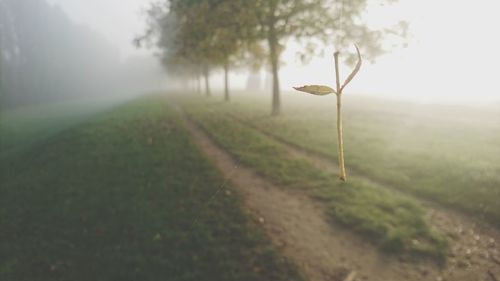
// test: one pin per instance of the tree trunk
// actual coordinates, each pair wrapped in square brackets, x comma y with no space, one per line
[226,82]
[274,57]
[198,84]
[185,84]
[207,81]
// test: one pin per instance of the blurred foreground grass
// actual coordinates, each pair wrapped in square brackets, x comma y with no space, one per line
[125,197]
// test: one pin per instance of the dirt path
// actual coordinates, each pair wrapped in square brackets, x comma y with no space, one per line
[294,222]
[475,249]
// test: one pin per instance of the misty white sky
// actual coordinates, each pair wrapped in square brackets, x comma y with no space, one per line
[118,20]
[452,54]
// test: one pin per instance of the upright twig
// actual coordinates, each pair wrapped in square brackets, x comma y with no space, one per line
[325,90]
[342,174]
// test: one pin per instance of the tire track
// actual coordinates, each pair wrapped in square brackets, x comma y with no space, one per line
[298,225]
[474,251]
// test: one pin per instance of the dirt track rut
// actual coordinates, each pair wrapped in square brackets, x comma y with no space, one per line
[326,251]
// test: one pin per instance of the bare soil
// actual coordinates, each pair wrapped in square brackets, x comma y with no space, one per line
[474,243]
[324,250]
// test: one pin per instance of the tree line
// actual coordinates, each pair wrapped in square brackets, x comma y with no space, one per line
[195,37]
[46,57]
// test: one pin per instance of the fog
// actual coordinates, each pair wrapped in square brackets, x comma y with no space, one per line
[127,154]
[48,56]
[66,49]
[451,55]
[117,20]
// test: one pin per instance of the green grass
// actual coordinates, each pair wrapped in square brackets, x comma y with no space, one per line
[25,126]
[394,222]
[126,197]
[450,154]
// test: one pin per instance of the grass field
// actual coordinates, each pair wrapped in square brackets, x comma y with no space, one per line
[116,198]
[26,126]
[450,154]
[394,222]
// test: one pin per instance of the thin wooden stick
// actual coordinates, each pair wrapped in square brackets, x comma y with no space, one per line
[351,276]
[342,173]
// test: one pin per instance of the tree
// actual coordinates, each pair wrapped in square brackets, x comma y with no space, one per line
[233,34]
[209,33]
[279,19]
[327,20]
[202,33]
[44,56]
[178,30]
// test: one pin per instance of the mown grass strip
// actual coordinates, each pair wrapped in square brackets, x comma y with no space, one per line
[439,160]
[126,197]
[396,223]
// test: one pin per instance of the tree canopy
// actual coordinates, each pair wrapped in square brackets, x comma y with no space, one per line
[202,34]
[194,36]
[46,57]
